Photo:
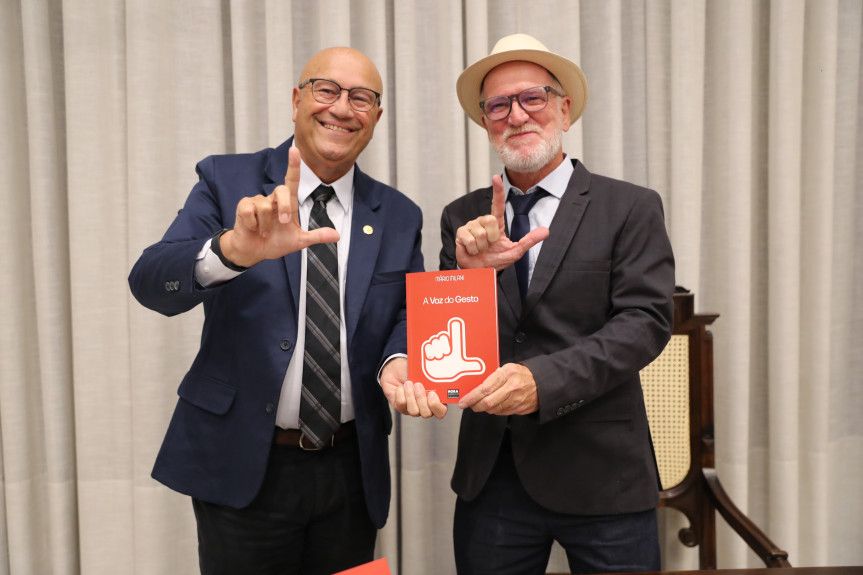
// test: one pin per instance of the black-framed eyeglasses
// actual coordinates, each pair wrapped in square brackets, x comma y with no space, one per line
[531,100]
[328,92]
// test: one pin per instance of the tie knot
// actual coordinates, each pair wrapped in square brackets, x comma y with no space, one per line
[522,203]
[323,193]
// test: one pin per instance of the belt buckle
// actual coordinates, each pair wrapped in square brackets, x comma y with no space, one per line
[304,448]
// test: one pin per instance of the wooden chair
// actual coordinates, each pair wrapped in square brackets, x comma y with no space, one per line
[678,391]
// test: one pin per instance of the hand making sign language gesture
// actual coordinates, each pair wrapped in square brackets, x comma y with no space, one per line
[268,227]
[482,243]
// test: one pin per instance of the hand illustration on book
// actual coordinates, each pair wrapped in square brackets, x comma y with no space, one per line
[445,357]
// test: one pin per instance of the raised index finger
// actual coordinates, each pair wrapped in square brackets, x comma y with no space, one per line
[498,200]
[292,182]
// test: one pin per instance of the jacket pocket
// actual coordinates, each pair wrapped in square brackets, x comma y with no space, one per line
[586,266]
[207,393]
[383,278]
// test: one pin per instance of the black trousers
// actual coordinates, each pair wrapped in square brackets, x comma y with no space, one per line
[309,517]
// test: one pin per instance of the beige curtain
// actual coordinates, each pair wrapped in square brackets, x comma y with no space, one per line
[745,115]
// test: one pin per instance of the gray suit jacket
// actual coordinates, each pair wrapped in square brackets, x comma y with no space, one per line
[598,309]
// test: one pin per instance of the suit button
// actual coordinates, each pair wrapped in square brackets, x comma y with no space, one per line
[567,409]
[580,403]
[560,411]
[520,337]
[269,407]
[285,344]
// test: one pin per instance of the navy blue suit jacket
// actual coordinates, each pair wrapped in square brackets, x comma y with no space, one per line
[218,442]
[598,309]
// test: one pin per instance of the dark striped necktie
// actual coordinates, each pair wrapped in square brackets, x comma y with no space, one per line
[521,206]
[320,404]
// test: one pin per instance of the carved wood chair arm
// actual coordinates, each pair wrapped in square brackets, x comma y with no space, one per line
[757,540]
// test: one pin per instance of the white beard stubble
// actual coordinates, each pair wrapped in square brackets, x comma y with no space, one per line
[514,159]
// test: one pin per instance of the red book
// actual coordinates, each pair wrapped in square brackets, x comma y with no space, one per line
[378,567]
[452,330]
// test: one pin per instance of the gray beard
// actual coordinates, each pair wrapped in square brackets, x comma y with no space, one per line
[534,161]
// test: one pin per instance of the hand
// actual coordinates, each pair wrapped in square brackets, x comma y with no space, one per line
[510,390]
[444,355]
[482,243]
[406,397]
[268,227]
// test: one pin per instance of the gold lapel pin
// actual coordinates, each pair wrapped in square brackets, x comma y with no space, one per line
[368,230]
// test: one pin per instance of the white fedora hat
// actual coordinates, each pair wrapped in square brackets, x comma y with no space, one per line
[525,48]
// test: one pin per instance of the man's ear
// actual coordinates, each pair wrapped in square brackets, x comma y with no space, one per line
[564,108]
[295,99]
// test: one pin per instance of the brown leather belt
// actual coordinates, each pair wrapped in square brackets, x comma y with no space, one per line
[296,438]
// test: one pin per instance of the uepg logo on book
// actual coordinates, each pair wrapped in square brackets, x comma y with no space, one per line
[452,394]
[445,357]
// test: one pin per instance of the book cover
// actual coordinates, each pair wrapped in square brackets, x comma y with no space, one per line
[377,567]
[452,330]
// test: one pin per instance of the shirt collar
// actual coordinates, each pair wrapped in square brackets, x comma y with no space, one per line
[309,182]
[555,183]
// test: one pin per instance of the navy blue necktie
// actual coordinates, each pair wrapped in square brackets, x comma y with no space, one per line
[520,226]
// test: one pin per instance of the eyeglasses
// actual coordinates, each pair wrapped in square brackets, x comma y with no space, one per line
[531,100]
[328,92]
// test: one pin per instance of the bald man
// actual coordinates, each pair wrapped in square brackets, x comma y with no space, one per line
[299,259]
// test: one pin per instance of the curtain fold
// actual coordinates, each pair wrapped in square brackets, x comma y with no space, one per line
[845,396]
[817,207]
[734,183]
[785,168]
[745,117]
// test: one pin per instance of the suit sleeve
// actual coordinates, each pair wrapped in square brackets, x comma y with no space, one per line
[456,214]
[447,236]
[163,278]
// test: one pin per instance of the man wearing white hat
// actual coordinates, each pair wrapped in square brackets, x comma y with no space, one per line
[555,444]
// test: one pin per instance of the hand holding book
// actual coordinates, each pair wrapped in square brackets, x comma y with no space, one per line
[510,390]
[406,397]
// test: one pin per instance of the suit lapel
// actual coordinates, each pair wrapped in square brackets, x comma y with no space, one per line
[366,235]
[562,230]
[508,283]
[276,168]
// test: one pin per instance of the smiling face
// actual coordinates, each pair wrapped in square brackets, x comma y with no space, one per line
[528,144]
[331,136]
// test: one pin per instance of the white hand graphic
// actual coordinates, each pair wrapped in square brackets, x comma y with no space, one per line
[444,355]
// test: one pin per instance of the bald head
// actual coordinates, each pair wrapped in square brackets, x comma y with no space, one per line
[344,56]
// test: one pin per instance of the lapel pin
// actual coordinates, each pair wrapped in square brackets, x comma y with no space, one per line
[368,230]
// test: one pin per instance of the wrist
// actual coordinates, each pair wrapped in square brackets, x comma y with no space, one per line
[216,247]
